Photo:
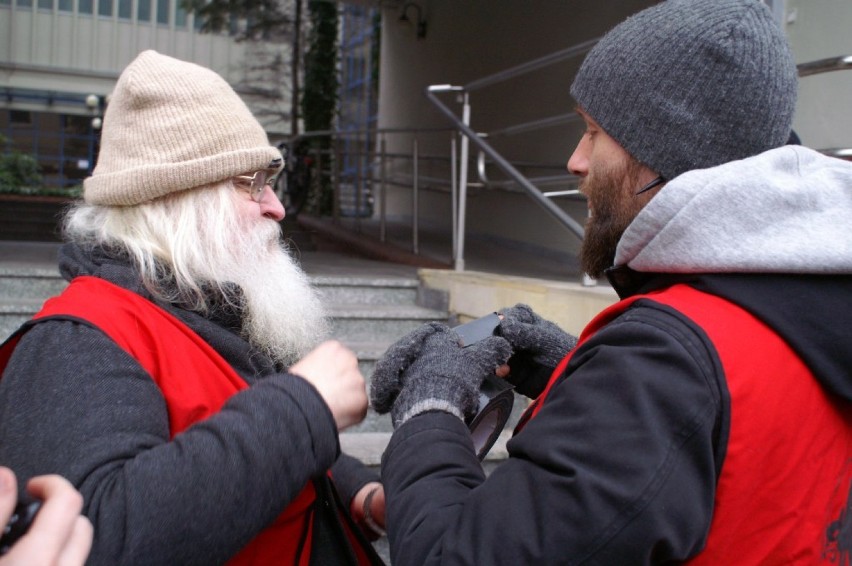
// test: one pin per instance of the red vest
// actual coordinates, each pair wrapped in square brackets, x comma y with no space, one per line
[787,469]
[195,381]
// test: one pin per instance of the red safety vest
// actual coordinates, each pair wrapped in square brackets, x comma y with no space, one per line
[786,475]
[195,382]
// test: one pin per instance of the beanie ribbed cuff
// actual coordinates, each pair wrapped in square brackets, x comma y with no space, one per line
[144,183]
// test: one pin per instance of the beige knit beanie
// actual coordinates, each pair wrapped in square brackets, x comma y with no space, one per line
[171,126]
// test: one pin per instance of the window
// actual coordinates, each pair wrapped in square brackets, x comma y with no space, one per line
[143,11]
[105,8]
[163,12]
[85,6]
[180,16]
[20,117]
[125,9]
[45,4]
[66,5]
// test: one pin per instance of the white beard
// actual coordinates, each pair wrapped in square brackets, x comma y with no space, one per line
[281,313]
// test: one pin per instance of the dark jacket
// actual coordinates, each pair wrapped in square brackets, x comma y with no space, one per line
[73,403]
[606,475]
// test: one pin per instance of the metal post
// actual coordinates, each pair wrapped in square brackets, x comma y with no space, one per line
[358,184]
[335,171]
[454,191]
[415,197]
[465,148]
[382,197]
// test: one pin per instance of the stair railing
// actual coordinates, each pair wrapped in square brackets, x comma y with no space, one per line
[359,160]
[828,65]
[469,136]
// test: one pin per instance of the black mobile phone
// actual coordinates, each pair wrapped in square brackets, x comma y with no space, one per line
[479,329]
[495,395]
[19,523]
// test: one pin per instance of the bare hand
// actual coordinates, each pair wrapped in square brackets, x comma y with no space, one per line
[59,535]
[332,368]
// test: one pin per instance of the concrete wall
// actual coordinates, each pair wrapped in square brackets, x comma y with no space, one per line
[820,29]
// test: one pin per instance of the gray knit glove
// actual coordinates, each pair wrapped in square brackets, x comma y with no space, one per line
[428,370]
[539,345]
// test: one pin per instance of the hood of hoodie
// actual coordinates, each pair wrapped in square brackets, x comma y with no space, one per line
[771,233]
[786,210]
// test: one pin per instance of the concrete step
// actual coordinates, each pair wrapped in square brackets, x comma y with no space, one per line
[39,282]
[369,447]
[29,282]
[341,290]
[15,312]
[382,323]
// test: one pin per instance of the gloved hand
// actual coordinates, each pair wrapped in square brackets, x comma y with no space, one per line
[429,370]
[539,345]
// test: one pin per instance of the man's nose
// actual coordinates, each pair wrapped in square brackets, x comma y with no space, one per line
[271,206]
[578,163]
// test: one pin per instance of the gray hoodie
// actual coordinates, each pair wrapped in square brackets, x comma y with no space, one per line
[787,210]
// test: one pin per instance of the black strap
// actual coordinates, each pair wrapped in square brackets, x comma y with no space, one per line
[330,545]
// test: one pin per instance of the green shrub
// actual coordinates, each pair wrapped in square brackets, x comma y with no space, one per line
[20,175]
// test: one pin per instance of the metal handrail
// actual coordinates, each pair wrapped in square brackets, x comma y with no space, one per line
[530,66]
[560,215]
[828,65]
[462,124]
[825,66]
[377,157]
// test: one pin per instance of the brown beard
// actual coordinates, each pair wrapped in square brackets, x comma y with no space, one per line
[610,193]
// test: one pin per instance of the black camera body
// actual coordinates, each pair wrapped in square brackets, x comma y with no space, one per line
[19,523]
[496,397]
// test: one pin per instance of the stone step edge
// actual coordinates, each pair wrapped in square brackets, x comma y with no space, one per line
[22,270]
[368,447]
[386,312]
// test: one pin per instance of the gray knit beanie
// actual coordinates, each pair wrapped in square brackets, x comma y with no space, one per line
[690,84]
[171,126]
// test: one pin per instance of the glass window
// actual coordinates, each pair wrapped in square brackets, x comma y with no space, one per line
[180,16]
[125,9]
[20,117]
[25,4]
[5,2]
[105,8]
[143,11]
[45,4]
[163,12]
[85,6]
[66,5]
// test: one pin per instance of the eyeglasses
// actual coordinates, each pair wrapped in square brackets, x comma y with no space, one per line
[255,184]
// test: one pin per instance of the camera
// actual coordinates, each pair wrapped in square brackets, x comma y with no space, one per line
[496,396]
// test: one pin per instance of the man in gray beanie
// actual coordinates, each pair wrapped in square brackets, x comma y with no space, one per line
[181,381]
[707,416]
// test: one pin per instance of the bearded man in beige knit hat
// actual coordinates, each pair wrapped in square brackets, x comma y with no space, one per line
[180,382]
